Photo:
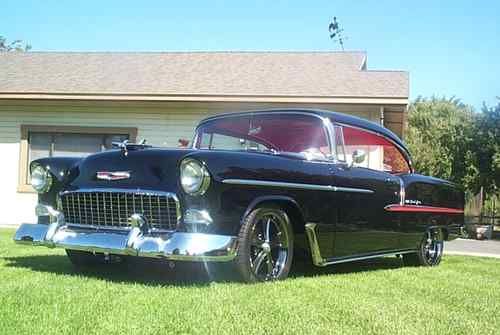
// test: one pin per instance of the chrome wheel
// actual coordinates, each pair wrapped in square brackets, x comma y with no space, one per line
[429,252]
[432,249]
[265,245]
[269,247]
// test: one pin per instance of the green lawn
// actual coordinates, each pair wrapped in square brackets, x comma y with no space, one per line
[40,293]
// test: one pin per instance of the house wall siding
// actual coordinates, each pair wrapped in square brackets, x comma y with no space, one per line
[160,123]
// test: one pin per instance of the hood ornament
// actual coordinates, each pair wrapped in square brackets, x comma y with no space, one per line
[125,146]
[113,175]
[122,146]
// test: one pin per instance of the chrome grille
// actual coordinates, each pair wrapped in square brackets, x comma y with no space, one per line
[114,208]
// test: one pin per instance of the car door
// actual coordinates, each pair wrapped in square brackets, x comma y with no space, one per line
[362,225]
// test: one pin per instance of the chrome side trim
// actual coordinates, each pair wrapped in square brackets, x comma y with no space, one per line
[360,258]
[318,260]
[266,183]
[314,245]
[402,192]
[422,209]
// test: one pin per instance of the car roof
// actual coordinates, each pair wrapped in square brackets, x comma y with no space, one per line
[335,117]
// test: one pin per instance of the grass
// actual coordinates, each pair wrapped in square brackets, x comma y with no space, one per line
[40,293]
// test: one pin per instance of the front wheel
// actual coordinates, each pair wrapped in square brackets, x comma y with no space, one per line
[429,253]
[265,249]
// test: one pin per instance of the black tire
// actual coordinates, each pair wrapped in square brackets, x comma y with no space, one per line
[429,252]
[84,259]
[266,236]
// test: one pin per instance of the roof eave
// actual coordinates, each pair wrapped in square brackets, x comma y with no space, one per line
[380,100]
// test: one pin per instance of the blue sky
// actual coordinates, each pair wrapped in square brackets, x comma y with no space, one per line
[450,48]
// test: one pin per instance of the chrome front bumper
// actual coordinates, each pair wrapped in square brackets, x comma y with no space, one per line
[133,242]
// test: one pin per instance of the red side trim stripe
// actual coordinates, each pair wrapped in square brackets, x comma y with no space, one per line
[422,209]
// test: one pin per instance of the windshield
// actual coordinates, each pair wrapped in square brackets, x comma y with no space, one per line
[271,132]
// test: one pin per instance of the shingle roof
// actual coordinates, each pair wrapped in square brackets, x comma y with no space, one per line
[304,74]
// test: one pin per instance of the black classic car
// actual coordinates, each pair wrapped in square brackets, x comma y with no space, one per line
[254,189]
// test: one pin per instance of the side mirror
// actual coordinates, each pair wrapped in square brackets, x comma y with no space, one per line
[358,157]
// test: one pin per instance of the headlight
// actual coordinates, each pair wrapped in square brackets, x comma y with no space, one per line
[195,178]
[41,179]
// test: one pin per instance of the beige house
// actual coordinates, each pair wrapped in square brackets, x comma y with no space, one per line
[77,103]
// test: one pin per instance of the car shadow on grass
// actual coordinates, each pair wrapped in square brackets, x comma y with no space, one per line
[147,272]
[306,269]
[160,273]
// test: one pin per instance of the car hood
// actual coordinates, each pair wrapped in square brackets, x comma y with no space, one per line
[145,169]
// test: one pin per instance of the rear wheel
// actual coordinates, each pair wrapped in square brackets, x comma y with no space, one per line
[265,249]
[429,252]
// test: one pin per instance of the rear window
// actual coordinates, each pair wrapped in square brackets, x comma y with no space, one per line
[382,154]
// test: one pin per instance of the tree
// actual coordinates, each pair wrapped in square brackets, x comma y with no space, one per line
[487,147]
[16,45]
[449,140]
[440,133]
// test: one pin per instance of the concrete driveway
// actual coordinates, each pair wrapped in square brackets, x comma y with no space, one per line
[484,248]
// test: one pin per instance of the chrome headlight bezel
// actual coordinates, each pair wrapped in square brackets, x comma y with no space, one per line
[193,169]
[42,177]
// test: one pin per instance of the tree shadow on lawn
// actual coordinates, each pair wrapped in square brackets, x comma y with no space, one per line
[158,273]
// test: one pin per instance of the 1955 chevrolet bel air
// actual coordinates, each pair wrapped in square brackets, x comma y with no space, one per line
[254,189]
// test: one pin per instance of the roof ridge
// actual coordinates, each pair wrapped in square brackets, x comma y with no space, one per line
[388,71]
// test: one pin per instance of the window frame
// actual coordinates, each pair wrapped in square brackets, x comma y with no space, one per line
[337,129]
[23,170]
[396,145]
[326,124]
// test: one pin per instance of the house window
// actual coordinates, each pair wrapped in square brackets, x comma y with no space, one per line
[49,141]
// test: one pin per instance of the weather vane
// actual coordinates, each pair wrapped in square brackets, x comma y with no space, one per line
[336,32]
